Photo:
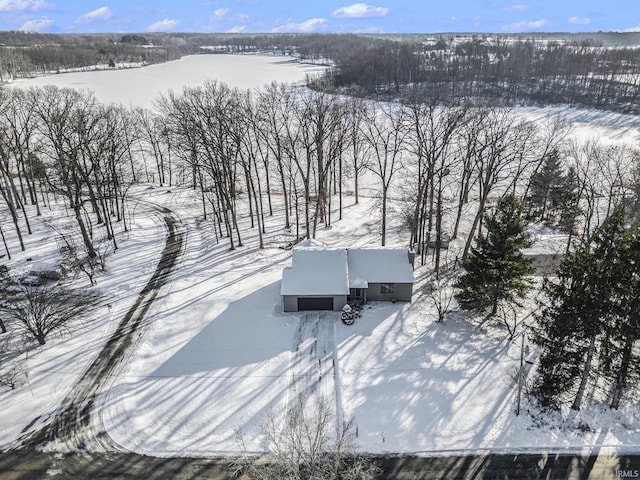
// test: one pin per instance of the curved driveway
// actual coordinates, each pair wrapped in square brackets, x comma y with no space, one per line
[73,424]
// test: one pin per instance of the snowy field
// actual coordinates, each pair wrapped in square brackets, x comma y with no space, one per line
[139,87]
[217,353]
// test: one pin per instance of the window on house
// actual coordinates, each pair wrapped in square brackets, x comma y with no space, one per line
[357,292]
[386,287]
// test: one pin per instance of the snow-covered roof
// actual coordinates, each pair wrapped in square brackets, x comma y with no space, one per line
[316,271]
[378,265]
[40,266]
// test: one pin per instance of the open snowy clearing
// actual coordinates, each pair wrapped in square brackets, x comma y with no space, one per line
[139,87]
[216,352]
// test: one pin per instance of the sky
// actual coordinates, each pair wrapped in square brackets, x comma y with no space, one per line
[329,16]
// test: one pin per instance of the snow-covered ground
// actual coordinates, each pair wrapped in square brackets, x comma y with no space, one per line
[139,87]
[217,353]
[588,124]
[50,371]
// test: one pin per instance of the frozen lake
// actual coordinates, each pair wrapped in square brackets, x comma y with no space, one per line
[141,86]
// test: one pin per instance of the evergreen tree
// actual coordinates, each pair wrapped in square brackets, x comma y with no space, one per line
[590,321]
[567,328]
[543,184]
[565,201]
[620,359]
[495,270]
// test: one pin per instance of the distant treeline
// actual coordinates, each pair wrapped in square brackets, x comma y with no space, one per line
[25,54]
[599,70]
[500,69]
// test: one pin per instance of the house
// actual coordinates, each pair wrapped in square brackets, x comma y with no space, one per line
[327,278]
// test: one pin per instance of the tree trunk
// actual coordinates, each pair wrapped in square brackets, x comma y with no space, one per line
[85,235]
[623,373]
[14,215]
[4,241]
[577,401]
[384,215]
[476,221]
[287,201]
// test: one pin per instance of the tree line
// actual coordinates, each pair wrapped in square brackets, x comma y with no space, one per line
[442,169]
[497,69]
[308,148]
[25,54]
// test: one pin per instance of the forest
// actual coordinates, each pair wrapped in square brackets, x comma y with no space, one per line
[436,152]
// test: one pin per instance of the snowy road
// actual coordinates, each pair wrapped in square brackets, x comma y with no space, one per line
[74,425]
[125,466]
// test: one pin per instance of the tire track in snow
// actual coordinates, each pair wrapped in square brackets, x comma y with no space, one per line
[313,363]
[73,424]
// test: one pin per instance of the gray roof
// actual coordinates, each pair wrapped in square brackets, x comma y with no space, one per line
[318,270]
[378,265]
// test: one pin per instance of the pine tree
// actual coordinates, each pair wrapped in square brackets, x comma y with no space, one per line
[591,318]
[567,328]
[542,186]
[565,201]
[620,359]
[495,270]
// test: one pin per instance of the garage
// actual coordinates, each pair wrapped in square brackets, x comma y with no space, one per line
[315,303]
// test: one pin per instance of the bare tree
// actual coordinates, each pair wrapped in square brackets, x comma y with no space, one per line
[440,291]
[496,148]
[41,310]
[207,124]
[432,132]
[65,123]
[356,147]
[322,137]
[383,132]
[154,141]
[304,444]
[273,106]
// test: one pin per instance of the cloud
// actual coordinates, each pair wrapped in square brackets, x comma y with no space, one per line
[580,20]
[40,25]
[360,10]
[164,25]
[22,6]
[238,29]
[632,29]
[311,25]
[525,26]
[220,13]
[517,8]
[102,14]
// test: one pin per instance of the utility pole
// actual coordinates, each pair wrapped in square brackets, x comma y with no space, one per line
[520,375]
